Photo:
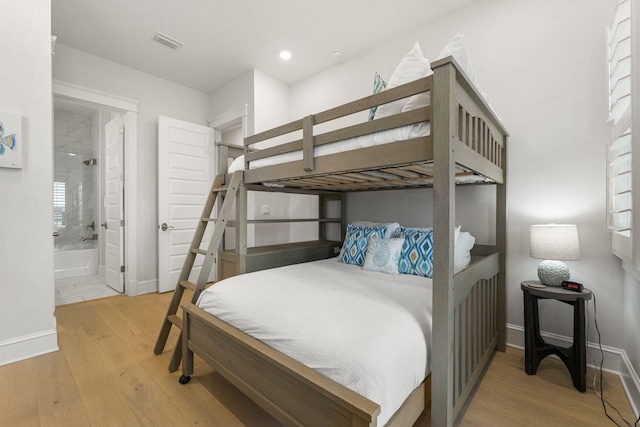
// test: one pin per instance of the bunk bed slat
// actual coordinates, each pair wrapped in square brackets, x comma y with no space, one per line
[272,133]
[418,86]
[407,118]
[376,157]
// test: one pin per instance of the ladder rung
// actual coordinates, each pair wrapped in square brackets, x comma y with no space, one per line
[199,251]
[175,320]
[209,220]
[219,189]
[188,285]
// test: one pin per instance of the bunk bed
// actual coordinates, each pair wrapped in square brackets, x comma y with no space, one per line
[465,144]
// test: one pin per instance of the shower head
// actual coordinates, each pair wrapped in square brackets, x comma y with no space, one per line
[91,162]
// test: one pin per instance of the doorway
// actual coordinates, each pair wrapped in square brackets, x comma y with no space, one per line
[78,186]
[114,106]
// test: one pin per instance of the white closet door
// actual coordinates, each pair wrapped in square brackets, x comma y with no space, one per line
[186,168]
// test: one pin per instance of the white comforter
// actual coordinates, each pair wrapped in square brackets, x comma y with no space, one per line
[369,331]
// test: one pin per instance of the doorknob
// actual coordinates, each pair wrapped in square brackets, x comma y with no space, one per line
[104,225]
[164,226]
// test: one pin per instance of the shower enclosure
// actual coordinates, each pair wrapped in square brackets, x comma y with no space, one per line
[75,190]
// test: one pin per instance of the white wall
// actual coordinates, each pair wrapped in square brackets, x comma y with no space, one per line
[543,65]
[155,97]
[27,323]
[234,94]
[268,106]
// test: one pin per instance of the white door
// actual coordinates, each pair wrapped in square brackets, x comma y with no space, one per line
[113,203]
[186,159]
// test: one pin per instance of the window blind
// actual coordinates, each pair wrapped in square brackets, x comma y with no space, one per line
[620,194]
[59,200]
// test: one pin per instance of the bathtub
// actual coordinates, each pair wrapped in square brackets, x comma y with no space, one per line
[78,259]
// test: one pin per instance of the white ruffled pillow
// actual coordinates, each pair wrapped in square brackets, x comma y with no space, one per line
[457,47]
[412,67]
[462,253]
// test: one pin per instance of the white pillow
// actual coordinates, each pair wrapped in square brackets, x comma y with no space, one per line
[412,67]
[457,48]
[391,226]
[462,255]
[383,254]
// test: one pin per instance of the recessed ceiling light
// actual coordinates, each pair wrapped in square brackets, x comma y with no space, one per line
[167,40]
[285,55]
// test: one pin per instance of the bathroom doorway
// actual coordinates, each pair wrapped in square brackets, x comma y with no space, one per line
[77,192]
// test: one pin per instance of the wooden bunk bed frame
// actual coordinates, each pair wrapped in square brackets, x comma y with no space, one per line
[469,314]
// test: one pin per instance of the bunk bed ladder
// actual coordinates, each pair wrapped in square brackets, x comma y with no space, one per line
[224,215]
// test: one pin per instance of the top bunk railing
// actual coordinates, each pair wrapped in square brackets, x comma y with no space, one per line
[479,136]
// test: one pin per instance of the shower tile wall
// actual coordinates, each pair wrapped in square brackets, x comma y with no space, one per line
[73,145]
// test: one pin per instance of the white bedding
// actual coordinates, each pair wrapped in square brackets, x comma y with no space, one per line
[368,331]
[370,140]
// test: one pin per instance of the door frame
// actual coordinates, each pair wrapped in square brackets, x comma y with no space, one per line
[129,109]
[238,116]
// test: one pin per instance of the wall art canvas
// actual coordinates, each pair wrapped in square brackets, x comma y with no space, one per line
[10,140]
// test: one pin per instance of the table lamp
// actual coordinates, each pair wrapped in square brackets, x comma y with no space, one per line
[554,243]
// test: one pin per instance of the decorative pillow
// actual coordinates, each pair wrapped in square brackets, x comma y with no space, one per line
[464,243]
[457,48]
[391,227]
[416,256]
[412,67]
[356,241]
[378,86]
[383,255]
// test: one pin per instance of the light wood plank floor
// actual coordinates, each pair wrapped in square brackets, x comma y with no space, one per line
[106,374]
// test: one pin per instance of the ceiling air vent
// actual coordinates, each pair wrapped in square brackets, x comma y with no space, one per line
[167,41]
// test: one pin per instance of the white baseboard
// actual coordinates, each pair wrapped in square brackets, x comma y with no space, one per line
[631,383]
[26,347]
[147,287]
[615,360]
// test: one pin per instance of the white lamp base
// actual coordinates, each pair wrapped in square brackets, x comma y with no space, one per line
[553,273]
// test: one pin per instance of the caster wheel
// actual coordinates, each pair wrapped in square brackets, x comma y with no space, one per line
[184,379]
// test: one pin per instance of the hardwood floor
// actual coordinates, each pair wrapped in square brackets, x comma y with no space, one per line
[106,374]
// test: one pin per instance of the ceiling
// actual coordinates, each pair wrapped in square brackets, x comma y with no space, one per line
[223,39]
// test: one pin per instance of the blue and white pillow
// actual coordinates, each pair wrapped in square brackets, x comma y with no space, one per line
[416,256]
[391,227]
[383,255]
[356,241]
[378,86]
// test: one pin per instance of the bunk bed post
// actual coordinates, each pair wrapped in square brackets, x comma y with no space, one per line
[343,216]
[501,243]
[322,213]
[443,129]
[307,143]
[241,230]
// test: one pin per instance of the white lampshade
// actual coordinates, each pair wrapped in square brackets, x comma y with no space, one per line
[554,243]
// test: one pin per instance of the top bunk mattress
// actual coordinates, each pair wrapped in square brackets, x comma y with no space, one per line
[368,331]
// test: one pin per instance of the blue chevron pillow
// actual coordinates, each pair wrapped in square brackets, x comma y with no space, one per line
[354,248]
[416,256]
